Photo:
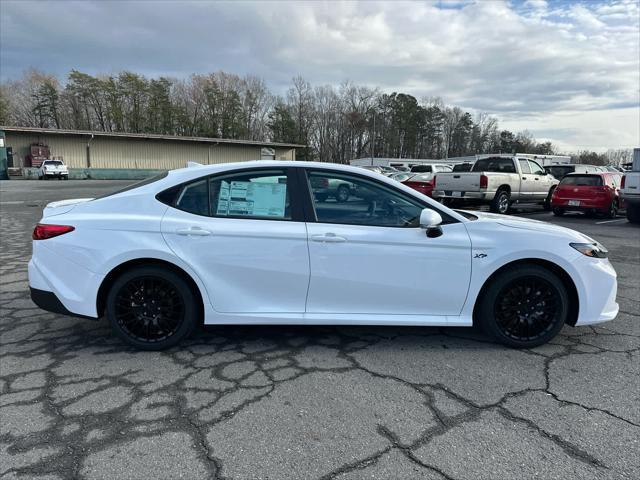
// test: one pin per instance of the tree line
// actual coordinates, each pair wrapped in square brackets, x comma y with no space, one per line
[336,124]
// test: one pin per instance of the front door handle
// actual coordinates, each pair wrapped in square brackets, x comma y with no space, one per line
[524,178]
[193,231]
[328,238]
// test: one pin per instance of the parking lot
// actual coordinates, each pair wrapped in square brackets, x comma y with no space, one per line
[311,402]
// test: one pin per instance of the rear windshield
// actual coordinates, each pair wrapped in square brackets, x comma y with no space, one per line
[421,168]
[53,162]
[582,180]
[560,172]
[494,164]
[462,167]
[146,181]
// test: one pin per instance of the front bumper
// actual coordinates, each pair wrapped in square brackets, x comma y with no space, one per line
[597,290]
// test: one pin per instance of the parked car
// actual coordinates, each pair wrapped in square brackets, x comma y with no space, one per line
[589,193]
[401,176]
[630,189]
[498,181]
[422,182]
[324,189]
[559,171]
[53,169]
[432,168]
[247,243]
[462,167]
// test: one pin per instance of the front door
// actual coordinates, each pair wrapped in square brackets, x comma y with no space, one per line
[368,254]
[245,240]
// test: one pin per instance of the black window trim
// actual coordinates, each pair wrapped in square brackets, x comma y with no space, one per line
[309,209]
[297,214]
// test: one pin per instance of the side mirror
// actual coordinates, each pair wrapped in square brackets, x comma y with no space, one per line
[430,221]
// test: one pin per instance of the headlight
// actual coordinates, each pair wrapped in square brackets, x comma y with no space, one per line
[595,249]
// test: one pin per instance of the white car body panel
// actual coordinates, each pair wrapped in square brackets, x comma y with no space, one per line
[273,272]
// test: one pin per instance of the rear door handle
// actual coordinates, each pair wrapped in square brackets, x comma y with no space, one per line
[193,231]
[524,178]
[328,238]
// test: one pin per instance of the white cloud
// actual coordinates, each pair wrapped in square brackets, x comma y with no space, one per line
[532,60]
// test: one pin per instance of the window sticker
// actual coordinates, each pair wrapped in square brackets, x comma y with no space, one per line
[252,199]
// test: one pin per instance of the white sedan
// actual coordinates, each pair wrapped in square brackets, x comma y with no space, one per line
[250,243]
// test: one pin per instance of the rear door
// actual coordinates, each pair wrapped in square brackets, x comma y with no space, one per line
[542,181]
[244,234]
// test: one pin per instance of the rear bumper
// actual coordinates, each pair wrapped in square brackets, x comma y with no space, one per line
[72,285]
[465,196]
[51,303]
[585,204]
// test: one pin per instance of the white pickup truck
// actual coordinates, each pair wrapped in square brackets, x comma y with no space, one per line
[630,189]
[53,169]
[499,181]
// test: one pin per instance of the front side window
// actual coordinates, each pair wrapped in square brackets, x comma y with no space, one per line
[369,203]
[262,194]
[536,169]
[524,166]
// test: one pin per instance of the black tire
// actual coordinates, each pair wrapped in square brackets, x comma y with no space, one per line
[633,213]
[343,194]
[501,202]
[547,201]
[505,311]
[171,302]
[558,212]
[613,209]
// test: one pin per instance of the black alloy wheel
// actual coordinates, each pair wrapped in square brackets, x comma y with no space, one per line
[151,308]
[524,306]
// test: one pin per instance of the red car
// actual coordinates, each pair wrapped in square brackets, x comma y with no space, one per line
[596,192]
[422,182]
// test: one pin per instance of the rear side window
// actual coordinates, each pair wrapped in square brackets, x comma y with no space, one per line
[193,198]
[494,164]
[262,194]
[582,180]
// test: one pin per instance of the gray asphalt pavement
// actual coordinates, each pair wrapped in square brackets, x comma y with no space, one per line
[311,402]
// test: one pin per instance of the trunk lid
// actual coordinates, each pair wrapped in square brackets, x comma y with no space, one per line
[62,206]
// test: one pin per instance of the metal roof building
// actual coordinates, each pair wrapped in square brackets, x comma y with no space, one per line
[113,150]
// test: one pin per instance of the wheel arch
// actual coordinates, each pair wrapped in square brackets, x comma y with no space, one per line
[565,278]
[115,272]
[504,187]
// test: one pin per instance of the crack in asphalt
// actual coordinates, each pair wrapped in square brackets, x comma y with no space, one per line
[71,391]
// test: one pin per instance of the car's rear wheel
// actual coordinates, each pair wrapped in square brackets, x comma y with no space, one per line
[524,306]
[151,308]
[558,212]
[501,202]
[613,209]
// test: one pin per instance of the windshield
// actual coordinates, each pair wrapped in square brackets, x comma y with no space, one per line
[582,180]
[421,168]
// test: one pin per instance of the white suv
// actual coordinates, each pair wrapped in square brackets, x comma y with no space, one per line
[53,168]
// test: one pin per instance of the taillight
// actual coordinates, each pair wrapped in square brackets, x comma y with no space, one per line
[44,231]
[484,181]
[622,182]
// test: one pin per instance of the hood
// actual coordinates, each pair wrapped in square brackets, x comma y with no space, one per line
[530,224]
[62,206]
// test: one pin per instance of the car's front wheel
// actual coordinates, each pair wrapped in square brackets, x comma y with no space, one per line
[151,308]
[524,306]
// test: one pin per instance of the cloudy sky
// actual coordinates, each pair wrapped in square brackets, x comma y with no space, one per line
[569,71]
